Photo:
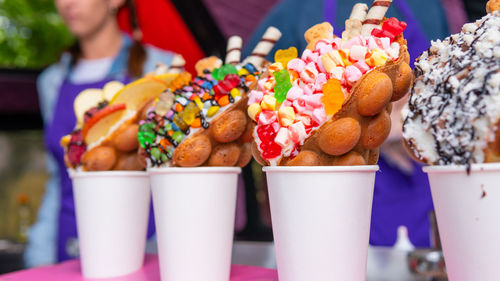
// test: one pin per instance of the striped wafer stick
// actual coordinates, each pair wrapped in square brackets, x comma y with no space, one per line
[233,51]
[161,68]
[355,22]
[177,65]
[266,44]
[375,16]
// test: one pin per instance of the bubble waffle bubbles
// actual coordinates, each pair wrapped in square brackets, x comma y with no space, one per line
[105,136]
[202,121]
[453,115]
[331,105]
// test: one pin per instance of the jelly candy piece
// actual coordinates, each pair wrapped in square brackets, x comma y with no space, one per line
[178,107]
[180,123]
[155,153]
[242,72]
[284,56]
[168,127]
[212,111]
[333,97]
[226,85]
[198,102]
[221,72]
[235,92]
[178,136]
[196,123]
[219,91]
[190,112]
[283,84]
[163,157]
[233,79]
[164,143]
[145,137]
[147,127]
[250,67]
[217,74]
[223,101]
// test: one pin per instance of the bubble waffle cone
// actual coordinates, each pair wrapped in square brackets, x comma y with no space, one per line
[341,91]
[204,121]
[453,113]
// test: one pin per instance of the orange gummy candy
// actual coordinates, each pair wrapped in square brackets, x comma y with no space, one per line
[333,97]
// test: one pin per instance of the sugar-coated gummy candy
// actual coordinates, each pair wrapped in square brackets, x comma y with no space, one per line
[282,86]
[333,97]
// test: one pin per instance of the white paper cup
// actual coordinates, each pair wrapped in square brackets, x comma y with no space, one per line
[321,221]
[112,211]
[194,214]
[468,213]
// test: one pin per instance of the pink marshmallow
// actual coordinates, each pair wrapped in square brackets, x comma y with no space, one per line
[337,43]
[314,101]
[319,115]
[287,102]
[276,126]
[255,97]
[362,66]
[309,56]
[352,74]
[337,72]
[296,65]
[267,117]
[358,53]
[309,73]
[282,138]
[383,42]
[299,104]
[352,42]
[304,119]
[320,81]
[294,93]
[297,132]
[261,83]
[371,43]
[320,65]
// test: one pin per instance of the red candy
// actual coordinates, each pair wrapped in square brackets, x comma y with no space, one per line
[76,148]
[232,79]
[267,134]
[390,28]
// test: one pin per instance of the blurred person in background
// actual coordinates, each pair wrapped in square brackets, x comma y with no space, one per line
[402,194]
[102,53]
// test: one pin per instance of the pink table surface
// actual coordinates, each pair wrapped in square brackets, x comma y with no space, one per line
[70,271]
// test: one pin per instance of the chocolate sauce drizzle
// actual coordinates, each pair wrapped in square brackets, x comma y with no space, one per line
[450,94]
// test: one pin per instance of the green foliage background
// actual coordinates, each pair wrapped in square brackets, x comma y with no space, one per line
[32,34]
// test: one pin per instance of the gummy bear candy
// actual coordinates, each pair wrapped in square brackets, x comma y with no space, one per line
[283,84]
[333,97]
[286,55]
[190,112]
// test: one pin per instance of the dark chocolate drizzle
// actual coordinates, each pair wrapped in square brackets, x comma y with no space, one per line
[448,112]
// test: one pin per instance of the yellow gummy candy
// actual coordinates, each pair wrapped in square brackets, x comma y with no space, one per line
[286,55]
[333,97]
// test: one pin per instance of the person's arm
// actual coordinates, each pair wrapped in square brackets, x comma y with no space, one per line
[41,248]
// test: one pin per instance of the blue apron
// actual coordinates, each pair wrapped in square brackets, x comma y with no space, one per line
[63,123]
[399,198]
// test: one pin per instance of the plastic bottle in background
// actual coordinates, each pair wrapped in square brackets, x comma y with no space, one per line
[24,217]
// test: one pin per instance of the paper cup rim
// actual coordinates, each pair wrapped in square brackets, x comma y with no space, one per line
[83,174]
[458,169]
[321,169]
[193,170]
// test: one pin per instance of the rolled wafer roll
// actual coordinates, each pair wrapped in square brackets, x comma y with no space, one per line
[161,68]
[375,16]
[177,64]
[359,12]
[233,51]
[265,45]
[355,22]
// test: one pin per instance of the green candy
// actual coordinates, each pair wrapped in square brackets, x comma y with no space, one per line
[147,127]
[221,72]
[163,157]
[178,136]
[282,86]
[155,153]
[168,127]
[145,136]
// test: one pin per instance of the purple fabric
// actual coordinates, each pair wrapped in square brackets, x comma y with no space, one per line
[63,123]
[399,198]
